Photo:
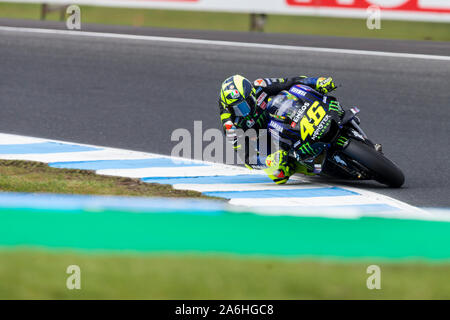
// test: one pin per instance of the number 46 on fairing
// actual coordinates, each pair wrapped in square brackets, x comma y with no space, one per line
[311,120]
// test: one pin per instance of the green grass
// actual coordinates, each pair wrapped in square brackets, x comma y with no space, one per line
[240,22]
[34,274]
[30,176]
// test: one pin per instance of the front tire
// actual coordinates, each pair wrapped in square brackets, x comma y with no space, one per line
[382,169]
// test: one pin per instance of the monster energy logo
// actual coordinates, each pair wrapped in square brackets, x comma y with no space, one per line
[341,141]
[259,122]
[334,105]
[333,108]
[306,148]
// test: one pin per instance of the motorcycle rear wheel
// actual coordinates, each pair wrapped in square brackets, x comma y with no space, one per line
[382,169]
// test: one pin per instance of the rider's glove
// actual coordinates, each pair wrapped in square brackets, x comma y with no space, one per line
[325,85]
[230,131]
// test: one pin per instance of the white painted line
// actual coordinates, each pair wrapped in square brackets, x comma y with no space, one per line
[307,202]
[385,199]
[106,154]
[169,172]
[225,43]
[6,139]
[438,214]
[244,187]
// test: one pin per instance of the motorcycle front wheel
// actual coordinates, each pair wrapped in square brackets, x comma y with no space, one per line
[382,169]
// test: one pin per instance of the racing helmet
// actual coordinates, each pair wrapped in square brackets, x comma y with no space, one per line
[238,96]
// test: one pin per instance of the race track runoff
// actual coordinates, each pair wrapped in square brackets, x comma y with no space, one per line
[132,94]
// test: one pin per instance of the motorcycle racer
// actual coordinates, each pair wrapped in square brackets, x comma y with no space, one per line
[244,105]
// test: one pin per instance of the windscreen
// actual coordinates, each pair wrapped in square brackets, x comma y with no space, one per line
[287,107]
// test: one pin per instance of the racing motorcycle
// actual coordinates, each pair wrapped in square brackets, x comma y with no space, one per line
[327,138]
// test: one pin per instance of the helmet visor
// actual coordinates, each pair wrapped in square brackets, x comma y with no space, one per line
[242,109]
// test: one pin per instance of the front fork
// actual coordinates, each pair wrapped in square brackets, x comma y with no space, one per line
[351,119]
[350,129]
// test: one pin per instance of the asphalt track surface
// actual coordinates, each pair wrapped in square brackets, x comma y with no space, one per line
[132,94]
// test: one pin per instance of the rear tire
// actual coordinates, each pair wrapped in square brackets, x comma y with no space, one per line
[382,169]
